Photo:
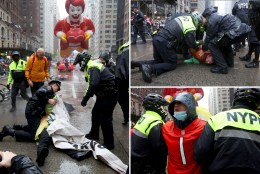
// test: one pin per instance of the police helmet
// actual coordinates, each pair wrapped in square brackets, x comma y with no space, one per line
[188,100]
[154,102]
[104,56]
[247,96]
[197,18]
[15,53]
[57,82]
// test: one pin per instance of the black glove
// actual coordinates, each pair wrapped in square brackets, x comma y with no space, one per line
[84,102]
[8,86]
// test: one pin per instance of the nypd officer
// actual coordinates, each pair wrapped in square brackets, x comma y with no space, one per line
[222,31]
[102,84]
[148,149]
[17,76]
[229,143]
[178,35]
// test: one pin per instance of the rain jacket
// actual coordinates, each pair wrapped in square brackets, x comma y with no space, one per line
[180,137]
[240,10]
[147,145]
[173,32]
[229,143]
[21,165]
[16,71]
[36,69]
[180,143]
[219,25]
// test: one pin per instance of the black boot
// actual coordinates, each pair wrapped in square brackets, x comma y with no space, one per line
[253,64]
[147,71]
[109,147]
[7,130]
[245,58]
[219,70]
[135,64]
[41,156]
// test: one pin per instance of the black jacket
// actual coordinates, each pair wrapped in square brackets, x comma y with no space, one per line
[36,104]
[138,19]
[122,69]
[173,33]
[102,83]
[240,10]
[221,153]
[21,165]
[151,151]
[219,25]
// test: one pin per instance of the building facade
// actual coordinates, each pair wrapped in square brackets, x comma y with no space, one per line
[105,21]
[220,99]
[122,33]
[18,31]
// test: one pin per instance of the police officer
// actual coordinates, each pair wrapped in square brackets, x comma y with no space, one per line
[17,75]
[102,84]
[148,149]
[177,36]
[254,15]
[122,80]
[229,143]
[222,31]
[34,111]
[138,26]
[107,62]
[240,10]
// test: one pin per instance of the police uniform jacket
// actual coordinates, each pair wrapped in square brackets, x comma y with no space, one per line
[147,143]
[230,143]
[240,10]
[219,25]
[36,104]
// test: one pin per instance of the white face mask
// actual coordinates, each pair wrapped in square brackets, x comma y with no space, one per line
[75,13]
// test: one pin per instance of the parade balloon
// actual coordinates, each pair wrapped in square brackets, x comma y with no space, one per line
[75,30]
[203,113]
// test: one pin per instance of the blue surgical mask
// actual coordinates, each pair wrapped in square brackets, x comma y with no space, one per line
[181,116]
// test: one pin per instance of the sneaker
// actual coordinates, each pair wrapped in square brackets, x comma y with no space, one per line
[253,64]
[12,109]
[7,130]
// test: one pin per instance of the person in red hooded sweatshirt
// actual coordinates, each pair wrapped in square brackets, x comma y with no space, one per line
[181,133]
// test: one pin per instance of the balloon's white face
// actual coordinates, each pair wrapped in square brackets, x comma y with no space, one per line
[75,13]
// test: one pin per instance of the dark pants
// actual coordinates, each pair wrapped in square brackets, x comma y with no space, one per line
[222,51]
[165,56]
[254,47]
[15,89]
[123,100]
[36,86]
[29,132]
[102,115]
[140,30]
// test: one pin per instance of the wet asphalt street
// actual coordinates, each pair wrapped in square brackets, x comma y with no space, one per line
[72,89]
[193,74]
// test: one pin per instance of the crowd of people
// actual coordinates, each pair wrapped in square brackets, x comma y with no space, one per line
[188,33]
[227,143]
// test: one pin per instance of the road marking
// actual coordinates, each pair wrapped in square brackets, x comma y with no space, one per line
[73,91]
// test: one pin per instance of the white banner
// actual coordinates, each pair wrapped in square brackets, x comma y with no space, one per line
[66,136]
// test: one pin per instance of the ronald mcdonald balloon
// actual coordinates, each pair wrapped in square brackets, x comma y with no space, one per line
[75,30]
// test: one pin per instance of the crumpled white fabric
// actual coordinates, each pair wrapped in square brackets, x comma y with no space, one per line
[66,136]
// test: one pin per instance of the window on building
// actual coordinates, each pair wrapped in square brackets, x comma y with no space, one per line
[107,41]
